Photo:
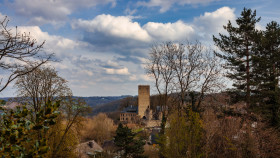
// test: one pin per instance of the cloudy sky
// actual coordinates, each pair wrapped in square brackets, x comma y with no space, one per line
[102,44]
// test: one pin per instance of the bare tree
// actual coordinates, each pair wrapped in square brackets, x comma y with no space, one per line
[160,67]
[18,51]
[184,69]
[40,86]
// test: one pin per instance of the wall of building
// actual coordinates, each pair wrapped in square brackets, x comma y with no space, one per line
[143,99]
[128,117]
[153,123]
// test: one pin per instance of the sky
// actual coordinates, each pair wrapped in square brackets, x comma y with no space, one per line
[102,45]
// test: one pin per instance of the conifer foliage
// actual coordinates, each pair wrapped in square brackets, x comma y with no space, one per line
[266,71]
[237,48]
[252,60]
[128,145]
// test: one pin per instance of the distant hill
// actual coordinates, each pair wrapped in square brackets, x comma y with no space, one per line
[6,98]
[104,104]
[107,107]
[99,100]
[98,103]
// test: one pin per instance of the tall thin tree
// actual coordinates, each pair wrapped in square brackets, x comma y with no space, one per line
[237,48]
[266,71]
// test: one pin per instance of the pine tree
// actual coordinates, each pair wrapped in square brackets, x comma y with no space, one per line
[238,50]
[127,143]
[266,71]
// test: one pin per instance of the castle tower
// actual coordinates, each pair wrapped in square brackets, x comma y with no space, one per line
[143,99]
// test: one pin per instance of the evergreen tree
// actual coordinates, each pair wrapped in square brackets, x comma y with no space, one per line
[266,71]
[127,143]
[238,50]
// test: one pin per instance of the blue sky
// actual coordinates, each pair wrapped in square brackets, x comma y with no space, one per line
[103,44]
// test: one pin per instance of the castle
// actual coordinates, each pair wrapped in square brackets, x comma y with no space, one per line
[141,113]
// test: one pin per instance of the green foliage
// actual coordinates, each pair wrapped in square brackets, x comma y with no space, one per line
[183,137]
[127,143]
[238,48]
[22,129]
[252,58]
[2,102]
[266,72]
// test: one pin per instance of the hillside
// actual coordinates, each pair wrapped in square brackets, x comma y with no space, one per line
[98,103]
[100,100]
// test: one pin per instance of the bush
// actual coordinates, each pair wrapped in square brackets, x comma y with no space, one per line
[22,131]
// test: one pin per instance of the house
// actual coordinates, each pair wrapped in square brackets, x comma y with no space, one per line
[88,149]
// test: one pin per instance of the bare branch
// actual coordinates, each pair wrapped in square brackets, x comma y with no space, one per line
[184,70]
[17,51]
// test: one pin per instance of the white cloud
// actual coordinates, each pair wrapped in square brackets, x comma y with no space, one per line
[124,32]
[89,73]
[121,71]
[146,78]
[120,26]
[133,77]
[167,4]
[169,31]
[112,63]
[129,11]
[126,36]
[53,11]
[53,43]
[212,22]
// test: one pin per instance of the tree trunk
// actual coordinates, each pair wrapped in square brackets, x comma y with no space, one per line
[248,77]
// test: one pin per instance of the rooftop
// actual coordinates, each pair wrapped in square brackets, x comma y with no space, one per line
[130,109]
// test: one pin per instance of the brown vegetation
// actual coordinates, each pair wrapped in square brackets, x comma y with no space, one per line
[98,128]
[238,136]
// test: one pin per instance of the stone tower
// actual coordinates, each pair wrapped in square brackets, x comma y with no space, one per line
[143,99]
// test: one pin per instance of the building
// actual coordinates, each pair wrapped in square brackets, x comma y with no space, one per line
[132,114]
[143,100]
[88,149]
[129,114]
[142,113]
